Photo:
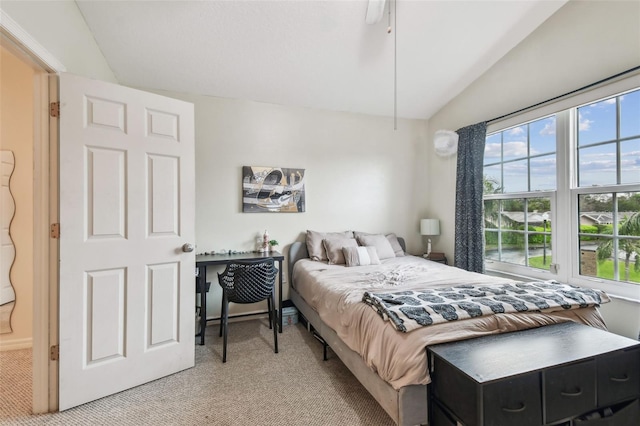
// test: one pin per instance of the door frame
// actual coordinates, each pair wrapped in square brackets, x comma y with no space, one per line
[45,205]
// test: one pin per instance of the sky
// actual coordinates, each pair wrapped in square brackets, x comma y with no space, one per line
[597,159]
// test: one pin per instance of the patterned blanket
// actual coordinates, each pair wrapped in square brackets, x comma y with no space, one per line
[409,310]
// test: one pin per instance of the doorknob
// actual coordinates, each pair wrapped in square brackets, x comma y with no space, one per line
[187,247]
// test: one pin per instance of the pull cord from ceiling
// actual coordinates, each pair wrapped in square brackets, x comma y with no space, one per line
[375,12]
[395,64]
[395,59]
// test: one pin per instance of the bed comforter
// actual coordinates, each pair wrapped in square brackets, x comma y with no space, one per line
[336,293]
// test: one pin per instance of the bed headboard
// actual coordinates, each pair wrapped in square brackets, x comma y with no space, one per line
[298,250]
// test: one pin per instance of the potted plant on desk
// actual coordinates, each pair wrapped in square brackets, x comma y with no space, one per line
[273,245]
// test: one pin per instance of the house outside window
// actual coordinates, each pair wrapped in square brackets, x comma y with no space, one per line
[562,195]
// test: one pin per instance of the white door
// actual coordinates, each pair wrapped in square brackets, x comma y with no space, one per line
[126,208]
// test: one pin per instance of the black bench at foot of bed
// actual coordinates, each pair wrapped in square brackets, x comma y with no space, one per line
[558,374]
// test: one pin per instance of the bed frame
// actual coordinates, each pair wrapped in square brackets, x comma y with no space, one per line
[407,405]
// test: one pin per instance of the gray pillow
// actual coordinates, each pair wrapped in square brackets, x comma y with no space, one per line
[380,242]
[333,247]
[393,239]
[395,245]
[358,234]
[314,243]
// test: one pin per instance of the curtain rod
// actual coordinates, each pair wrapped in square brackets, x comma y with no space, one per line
[589,86]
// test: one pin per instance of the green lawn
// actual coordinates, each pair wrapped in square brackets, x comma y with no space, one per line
[536,262]
[605,269]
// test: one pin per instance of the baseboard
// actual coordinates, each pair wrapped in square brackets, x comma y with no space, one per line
[12,345]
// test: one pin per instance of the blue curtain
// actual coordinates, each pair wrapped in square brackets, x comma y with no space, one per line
[469,232]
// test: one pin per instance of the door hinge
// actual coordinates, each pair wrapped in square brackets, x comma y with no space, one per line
[54,353]
[55,230]
[54,109]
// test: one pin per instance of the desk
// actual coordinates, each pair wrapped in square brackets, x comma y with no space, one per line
[204,260]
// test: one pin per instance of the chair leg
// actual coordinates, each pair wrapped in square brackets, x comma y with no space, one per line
[221,314]
[275,323]
[225,320]
[269,308]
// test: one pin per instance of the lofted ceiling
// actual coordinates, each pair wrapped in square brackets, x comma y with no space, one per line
[317,54]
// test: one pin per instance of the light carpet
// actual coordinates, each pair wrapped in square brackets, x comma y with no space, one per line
[254,387]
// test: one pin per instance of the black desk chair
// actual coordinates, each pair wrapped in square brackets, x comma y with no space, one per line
[248,281]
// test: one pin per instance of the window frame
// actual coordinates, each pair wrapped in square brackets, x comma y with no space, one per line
[613,287]
[564,232]
[515,268]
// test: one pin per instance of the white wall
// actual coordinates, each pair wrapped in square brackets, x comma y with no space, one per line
[383,180]
[582,43]
[60,28]
[360,173]
[622,317]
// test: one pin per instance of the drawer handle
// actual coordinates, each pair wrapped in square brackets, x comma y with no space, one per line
[620,379]
[577,392]
[515,410]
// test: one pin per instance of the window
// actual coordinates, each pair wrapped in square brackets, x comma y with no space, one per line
[562,194]
[520,160]
[608,144]
[610,223]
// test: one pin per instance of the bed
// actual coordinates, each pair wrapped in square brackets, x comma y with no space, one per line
[390,364]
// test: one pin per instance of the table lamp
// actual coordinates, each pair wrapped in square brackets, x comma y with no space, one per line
[429,227]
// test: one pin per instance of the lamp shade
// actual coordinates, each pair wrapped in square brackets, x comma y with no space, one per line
[429,227]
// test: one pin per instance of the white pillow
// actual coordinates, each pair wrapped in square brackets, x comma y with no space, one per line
[333,247]
[380,242]
[360,256]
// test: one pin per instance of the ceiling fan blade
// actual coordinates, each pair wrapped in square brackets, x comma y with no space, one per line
[375,10]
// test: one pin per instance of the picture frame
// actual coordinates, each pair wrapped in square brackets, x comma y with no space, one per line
[273,189]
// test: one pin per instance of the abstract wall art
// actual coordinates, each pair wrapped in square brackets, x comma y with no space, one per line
[273,189]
